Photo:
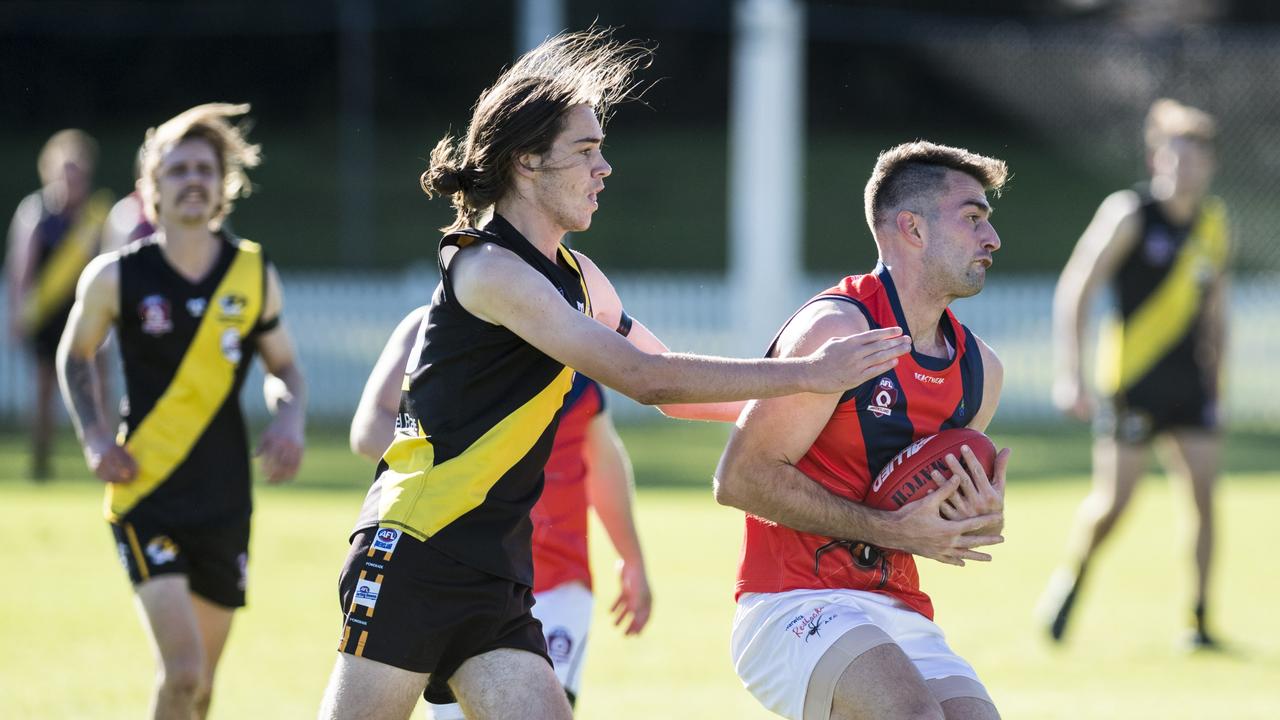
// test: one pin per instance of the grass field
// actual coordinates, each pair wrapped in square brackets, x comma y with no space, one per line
[76,649]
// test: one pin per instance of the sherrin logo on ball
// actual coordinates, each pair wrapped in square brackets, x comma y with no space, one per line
[909,475]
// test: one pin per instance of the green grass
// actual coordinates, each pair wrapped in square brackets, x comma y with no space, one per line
[75,647]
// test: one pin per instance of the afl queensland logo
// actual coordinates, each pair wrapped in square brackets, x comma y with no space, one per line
[154,312]
[230,343]
[884,398]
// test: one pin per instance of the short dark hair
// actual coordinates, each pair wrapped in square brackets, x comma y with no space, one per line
[525,110]
[907,171]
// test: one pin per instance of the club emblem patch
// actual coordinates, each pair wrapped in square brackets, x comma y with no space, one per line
[884,398]
[155,315]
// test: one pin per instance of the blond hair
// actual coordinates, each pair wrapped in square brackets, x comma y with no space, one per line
[1168,119]
[209,122]
[70,144]
[524,111]
[905,172]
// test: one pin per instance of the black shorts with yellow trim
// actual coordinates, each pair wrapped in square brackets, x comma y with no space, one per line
[1135,417]
[214,559]
[410,606]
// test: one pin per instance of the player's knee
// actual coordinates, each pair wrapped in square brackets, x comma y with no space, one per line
[183,678]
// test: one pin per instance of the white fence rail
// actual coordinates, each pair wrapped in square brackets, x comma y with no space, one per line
[340,322]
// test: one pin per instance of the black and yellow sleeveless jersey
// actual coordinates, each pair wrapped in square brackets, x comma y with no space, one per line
[1150,346]
[186,347]
[477,421]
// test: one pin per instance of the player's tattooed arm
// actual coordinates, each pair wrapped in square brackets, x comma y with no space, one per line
[96,307]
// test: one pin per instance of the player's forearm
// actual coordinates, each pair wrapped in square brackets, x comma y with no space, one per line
[784,495]
[78,379]
[676,378]
[1070,312]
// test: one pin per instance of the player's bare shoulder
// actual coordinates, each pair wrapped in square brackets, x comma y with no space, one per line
[99,282]
[816,323]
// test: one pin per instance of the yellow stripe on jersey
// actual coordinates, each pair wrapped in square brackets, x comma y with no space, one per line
[423,498]
[56,283]
[200,386]
[1129,349]
[572,261]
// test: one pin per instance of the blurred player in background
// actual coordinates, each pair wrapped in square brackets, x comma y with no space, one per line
[190,306]
[1163,250]
[54,233]
[831,621]
[588,467]
[128,218]
[437,585]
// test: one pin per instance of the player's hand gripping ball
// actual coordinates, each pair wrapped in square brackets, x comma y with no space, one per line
[907,476]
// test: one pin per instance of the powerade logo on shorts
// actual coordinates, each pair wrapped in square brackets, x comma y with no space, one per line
[367,593]
[386,539]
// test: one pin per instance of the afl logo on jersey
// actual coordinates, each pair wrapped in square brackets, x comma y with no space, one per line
[884,398]
[154,311]
[1158,248]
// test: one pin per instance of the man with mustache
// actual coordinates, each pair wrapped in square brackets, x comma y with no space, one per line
[190,305]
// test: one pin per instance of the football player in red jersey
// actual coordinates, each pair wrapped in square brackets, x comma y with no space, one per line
[831,622]
[588,467]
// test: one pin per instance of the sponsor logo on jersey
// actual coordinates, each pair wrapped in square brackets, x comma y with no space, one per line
[386,539]
[559,645]
[232,306]
[154,311]
[582,307]
[196,306]
[161,550]
[367,593]
[884,398]
[231,345]
[929,378]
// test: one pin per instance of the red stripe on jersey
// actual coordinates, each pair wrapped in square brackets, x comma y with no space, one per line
[560,515]
[871,424]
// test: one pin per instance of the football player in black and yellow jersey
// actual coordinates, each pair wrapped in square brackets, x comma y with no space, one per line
[54,233]
[1163,250]
[190,305]
[436,589]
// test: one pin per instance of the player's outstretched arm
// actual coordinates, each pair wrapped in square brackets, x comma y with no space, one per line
[610,491]
[284,388]
[758,473]
[1097,255]
[374,424]
[96,307]
[496,286]
[606,306]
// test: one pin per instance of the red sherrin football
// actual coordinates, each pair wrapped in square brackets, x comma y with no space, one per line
[907,476]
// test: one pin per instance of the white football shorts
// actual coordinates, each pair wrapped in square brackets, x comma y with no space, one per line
[779,638]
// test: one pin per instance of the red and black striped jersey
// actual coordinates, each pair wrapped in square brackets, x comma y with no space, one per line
[872,422]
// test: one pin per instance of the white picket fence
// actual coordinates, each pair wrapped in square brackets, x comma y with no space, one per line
[340,322]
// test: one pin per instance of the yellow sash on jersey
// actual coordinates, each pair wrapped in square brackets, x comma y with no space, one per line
[200,386]
[1127,350]
[56,283]
[422,498]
